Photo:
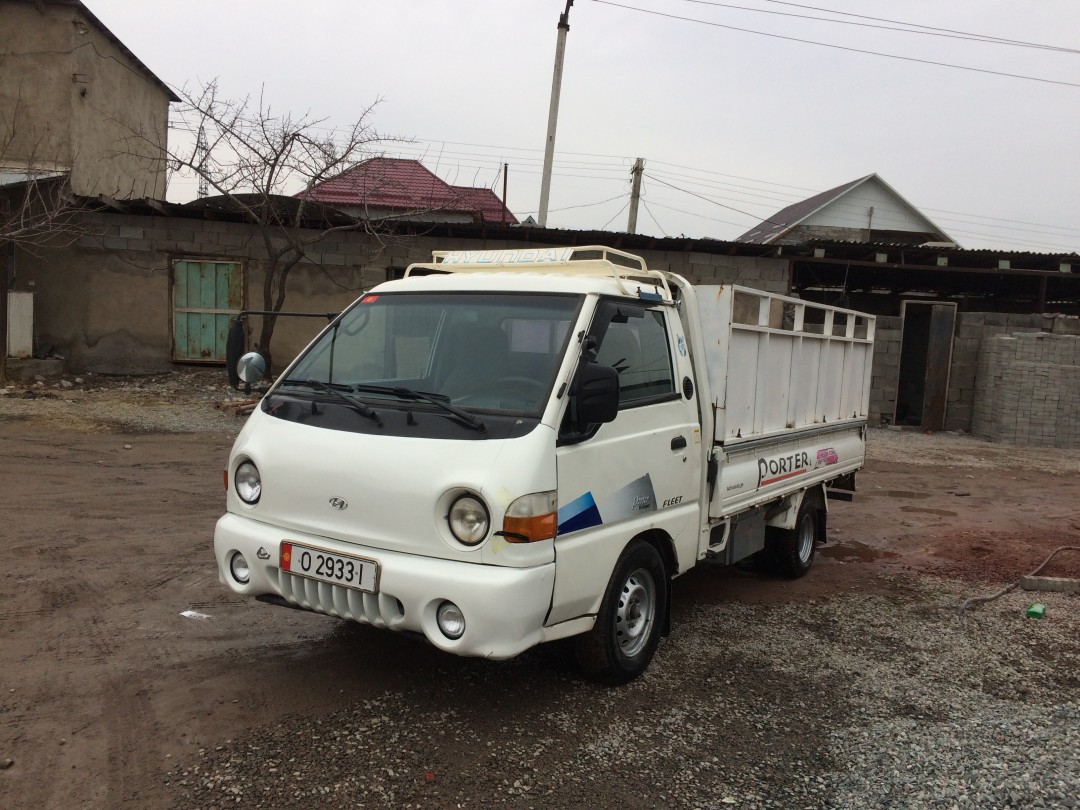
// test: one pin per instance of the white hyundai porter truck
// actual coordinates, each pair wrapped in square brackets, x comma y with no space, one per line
[510,447]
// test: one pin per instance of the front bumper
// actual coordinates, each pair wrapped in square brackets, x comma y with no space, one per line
[504,608]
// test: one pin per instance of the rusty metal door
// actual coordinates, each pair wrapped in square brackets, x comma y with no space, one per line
[205,295]
[938,362]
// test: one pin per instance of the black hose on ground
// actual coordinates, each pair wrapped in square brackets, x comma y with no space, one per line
[999,594]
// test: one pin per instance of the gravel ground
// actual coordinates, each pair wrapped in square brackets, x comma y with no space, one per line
[183,401]
[854,701]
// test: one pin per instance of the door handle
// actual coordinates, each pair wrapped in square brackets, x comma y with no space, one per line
[678,443]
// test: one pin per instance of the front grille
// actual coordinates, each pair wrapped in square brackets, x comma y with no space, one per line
[378,610]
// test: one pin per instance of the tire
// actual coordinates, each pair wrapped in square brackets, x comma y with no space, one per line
[631,618]
[792,550]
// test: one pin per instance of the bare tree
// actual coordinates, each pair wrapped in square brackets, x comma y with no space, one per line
[264,165]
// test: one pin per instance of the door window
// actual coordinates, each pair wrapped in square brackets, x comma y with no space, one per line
[635,342]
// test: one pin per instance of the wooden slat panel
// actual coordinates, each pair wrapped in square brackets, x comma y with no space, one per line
[205,294]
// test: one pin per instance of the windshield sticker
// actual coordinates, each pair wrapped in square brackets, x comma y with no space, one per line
[369,299]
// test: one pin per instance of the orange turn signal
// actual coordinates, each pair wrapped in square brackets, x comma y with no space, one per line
[530,529]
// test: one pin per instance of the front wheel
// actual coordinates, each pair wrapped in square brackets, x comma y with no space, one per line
[631,618]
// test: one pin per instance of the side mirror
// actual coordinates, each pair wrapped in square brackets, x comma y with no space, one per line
[251,367]
[597,393]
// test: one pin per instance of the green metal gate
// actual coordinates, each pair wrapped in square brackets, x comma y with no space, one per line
[205,295]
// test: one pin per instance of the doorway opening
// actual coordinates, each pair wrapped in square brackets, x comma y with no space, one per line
[925,357]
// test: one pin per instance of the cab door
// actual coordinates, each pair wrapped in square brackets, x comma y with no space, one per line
[638,472]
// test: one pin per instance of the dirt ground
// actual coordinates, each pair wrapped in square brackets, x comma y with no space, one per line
[106,688]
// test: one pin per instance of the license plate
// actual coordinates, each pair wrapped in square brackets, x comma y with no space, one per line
[326,566]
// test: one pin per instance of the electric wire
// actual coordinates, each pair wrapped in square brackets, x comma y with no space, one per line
[919,25]
[694,177]
[911,29]
[653,218]
[848,48]
[604,226]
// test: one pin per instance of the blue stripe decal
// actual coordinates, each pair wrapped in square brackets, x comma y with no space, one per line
[583,512]
[580,513]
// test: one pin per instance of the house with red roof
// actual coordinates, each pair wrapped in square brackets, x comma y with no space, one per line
[405,190]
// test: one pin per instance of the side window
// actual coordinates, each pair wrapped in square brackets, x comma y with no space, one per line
[636,344]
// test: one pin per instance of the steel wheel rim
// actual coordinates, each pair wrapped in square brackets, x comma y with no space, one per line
[806,539]
[636,612]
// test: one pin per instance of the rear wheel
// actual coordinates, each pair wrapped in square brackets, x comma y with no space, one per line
[792,550]
[631,618]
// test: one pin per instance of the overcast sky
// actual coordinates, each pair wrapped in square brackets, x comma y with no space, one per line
[732,125]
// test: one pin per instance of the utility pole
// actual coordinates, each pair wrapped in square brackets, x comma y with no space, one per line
[553,113]
[506,172]
[202,152]
[635,194]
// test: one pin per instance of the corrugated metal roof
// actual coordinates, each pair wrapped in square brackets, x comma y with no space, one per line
[407,185]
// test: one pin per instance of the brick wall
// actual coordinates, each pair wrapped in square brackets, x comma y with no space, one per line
[1026,388]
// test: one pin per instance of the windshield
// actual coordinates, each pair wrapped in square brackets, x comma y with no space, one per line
[476,351]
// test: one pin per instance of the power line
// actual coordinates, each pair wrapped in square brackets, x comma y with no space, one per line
[699,216]
[707,199]
[926,27]
[653,218]
[701,178]
[840,47]
[928,32]
[583,205]
[604,226]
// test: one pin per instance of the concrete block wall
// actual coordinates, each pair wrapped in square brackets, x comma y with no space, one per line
[766,274]
[1027,388]
[105,303]
[973,329]
[886,368]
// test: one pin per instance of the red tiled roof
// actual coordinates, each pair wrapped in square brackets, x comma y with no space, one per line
[407,185]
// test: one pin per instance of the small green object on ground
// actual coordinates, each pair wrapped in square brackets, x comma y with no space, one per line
[1036,611]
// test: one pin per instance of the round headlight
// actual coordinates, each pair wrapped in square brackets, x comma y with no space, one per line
[248,482]
[451,620]
[468,520]
[238,566]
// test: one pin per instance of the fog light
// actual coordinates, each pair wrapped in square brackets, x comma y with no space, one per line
[451,620]
[239,568]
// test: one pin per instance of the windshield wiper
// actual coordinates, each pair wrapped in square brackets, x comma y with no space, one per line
[438,400]
[336,389]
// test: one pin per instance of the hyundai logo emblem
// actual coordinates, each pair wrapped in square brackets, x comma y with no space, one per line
[339,503]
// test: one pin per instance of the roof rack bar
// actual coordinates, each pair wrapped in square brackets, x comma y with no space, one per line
[591,260]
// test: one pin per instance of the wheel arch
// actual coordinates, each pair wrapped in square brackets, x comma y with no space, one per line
[787,512]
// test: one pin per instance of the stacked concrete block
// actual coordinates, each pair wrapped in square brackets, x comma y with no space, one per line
[1027,388]
[965,358]
[886,368]
[766,274]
